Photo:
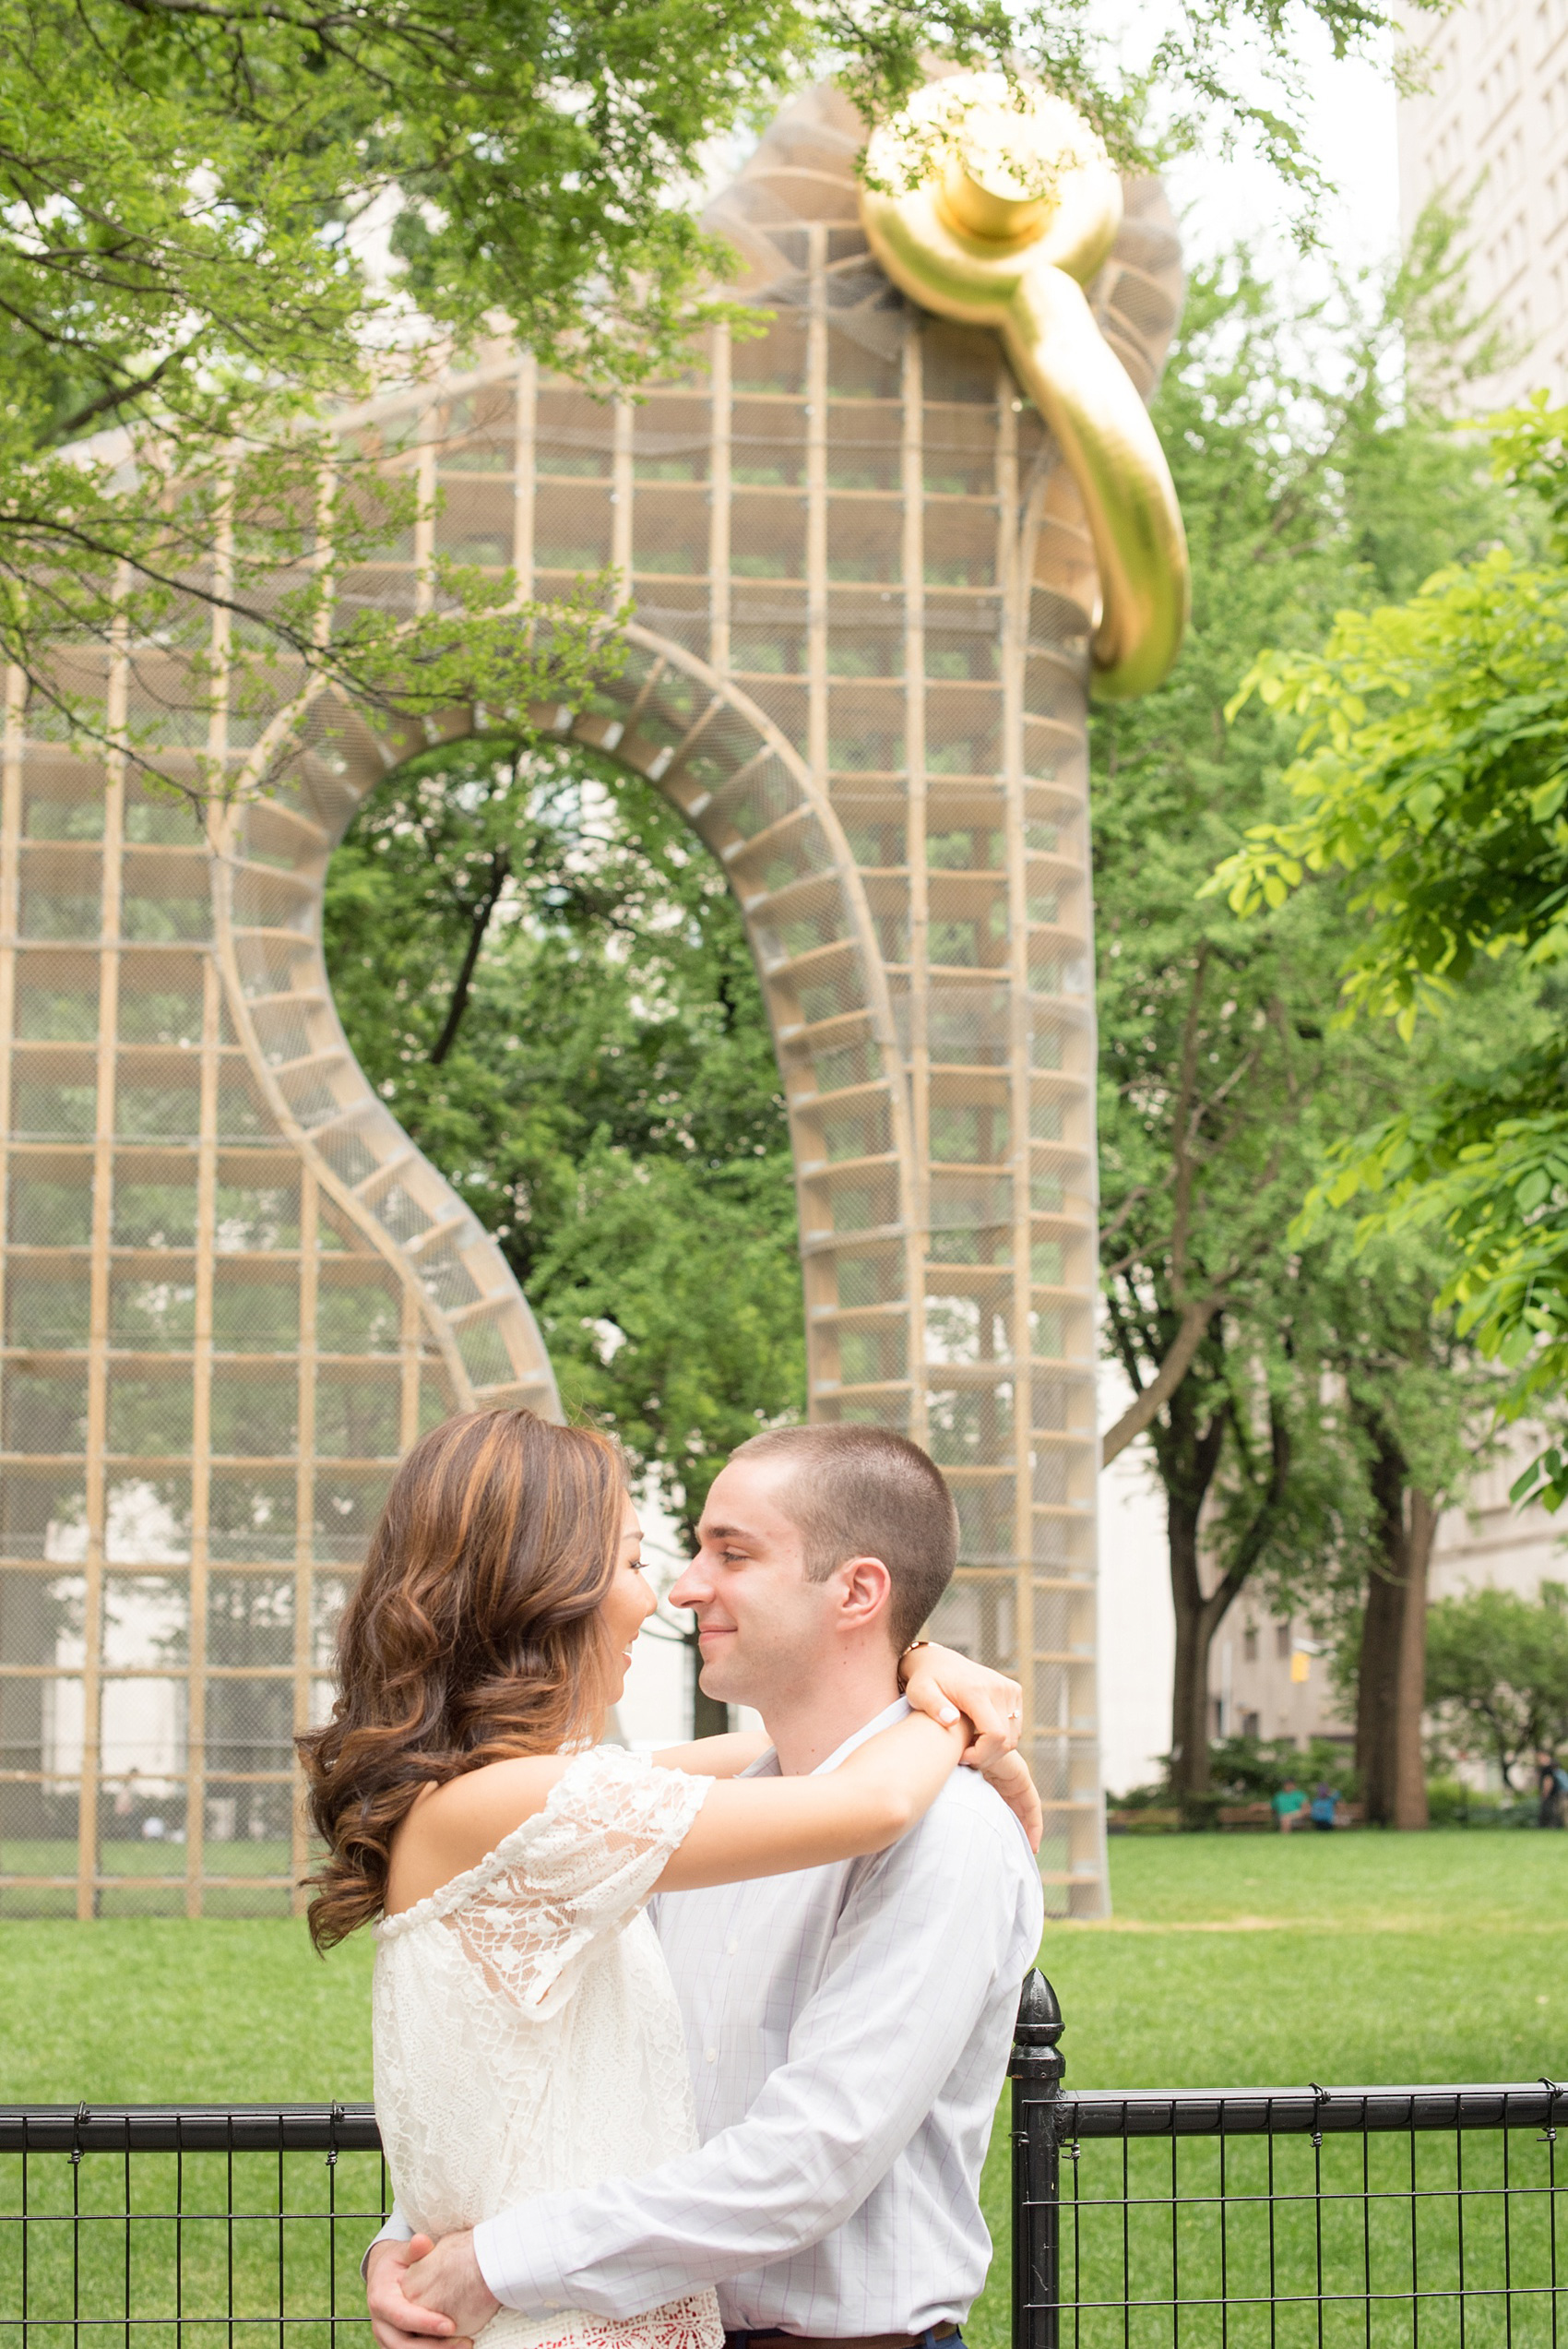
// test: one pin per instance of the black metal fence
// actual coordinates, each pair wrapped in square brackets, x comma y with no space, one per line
[1377,2218]
[188,2226]
[1314,2218]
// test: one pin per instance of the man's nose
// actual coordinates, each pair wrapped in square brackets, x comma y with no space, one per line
[693,1588]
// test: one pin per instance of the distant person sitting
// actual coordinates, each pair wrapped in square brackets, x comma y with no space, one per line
[1324,1807]
[1287,1805]
[1552,1787]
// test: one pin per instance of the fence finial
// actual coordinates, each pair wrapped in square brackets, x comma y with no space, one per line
[1040,2013]
[1035,2072]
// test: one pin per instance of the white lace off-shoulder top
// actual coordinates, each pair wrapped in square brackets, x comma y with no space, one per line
[526,2036]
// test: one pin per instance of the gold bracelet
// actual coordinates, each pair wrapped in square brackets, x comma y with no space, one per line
[908,1651]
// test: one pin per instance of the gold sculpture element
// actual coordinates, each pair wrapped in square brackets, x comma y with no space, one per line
[997,206]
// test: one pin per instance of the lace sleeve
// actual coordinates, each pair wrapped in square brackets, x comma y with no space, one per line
[574,1875]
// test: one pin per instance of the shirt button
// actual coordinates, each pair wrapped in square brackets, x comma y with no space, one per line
[710,2055]
[729,1947]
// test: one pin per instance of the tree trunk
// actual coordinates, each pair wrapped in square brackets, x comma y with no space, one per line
[1391,1678]
[710,1716]
[1199,1613]
[479,922]
[1377,1676]
[1409,1761]
[1195,1635]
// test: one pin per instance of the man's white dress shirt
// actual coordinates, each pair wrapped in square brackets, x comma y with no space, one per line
[848,2029]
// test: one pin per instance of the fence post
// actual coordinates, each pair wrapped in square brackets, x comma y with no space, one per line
[1035,2072]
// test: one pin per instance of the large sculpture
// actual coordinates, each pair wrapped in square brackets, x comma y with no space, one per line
[867,591]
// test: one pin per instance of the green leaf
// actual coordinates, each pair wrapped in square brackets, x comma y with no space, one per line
[1529,1193]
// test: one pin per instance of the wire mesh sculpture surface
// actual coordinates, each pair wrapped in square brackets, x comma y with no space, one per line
[233,1292]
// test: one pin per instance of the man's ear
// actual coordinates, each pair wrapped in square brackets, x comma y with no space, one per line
[865,1591]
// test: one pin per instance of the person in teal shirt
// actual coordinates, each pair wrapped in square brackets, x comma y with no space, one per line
[1287,1805]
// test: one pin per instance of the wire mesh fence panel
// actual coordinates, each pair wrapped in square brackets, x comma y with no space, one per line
[163,2229]
[1291,2219]
[1282,2218]
[1399,2238]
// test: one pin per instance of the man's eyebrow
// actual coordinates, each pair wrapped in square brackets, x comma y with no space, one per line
[725,1533]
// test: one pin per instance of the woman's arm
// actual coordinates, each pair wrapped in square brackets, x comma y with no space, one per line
[936,1679]
[747,1827]
[723,1756]
[773,1826]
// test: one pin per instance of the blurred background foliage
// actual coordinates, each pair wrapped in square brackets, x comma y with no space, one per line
[546,978]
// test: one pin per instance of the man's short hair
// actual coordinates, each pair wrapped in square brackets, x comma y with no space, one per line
[863,1492]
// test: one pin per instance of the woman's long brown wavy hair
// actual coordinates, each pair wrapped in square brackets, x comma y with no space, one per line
[473,1635]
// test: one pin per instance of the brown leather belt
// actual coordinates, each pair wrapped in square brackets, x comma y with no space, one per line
[872,2341]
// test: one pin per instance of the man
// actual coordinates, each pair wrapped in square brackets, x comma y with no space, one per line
[848,2026]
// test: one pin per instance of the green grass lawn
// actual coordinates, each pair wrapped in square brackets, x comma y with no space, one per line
[1266,1961]
[1238,1961]
[1248,1961]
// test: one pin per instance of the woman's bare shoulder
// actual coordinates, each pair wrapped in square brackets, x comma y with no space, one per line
[453,1827]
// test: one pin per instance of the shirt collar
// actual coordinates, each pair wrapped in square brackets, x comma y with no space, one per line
[884,1720]
[767,1765]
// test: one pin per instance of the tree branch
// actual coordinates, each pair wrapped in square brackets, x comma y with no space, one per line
[1109,1230]
[479,922]
[1250,1547]
[1178,1361]
[117,396]
[1182,1121]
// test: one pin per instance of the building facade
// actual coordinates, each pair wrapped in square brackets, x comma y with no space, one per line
[1269,1675]
[1490,129]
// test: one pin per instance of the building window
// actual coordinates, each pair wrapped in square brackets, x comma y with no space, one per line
[1556,104]
[1507,166]
[1282,1641]
[1502,83]
[1249,1644]
[1252,1724]
[1508,253]
[1556,197]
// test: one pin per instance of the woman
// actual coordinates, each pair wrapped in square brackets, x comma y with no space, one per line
[526,2031]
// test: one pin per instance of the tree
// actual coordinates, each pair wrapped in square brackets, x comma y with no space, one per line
[1496,1667]
[1302,478]
[218,217]
[1430,774]
[548,982]
[1420,1410]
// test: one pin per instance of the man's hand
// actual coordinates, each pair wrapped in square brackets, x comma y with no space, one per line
[1010,1776]
[937,1681]
[395,2320]
[448,2280]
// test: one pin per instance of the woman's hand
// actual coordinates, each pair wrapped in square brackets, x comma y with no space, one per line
[1010,1776]
[939,1682]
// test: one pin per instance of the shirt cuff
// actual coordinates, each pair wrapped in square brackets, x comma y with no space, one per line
[528,2284]
[396,2230]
